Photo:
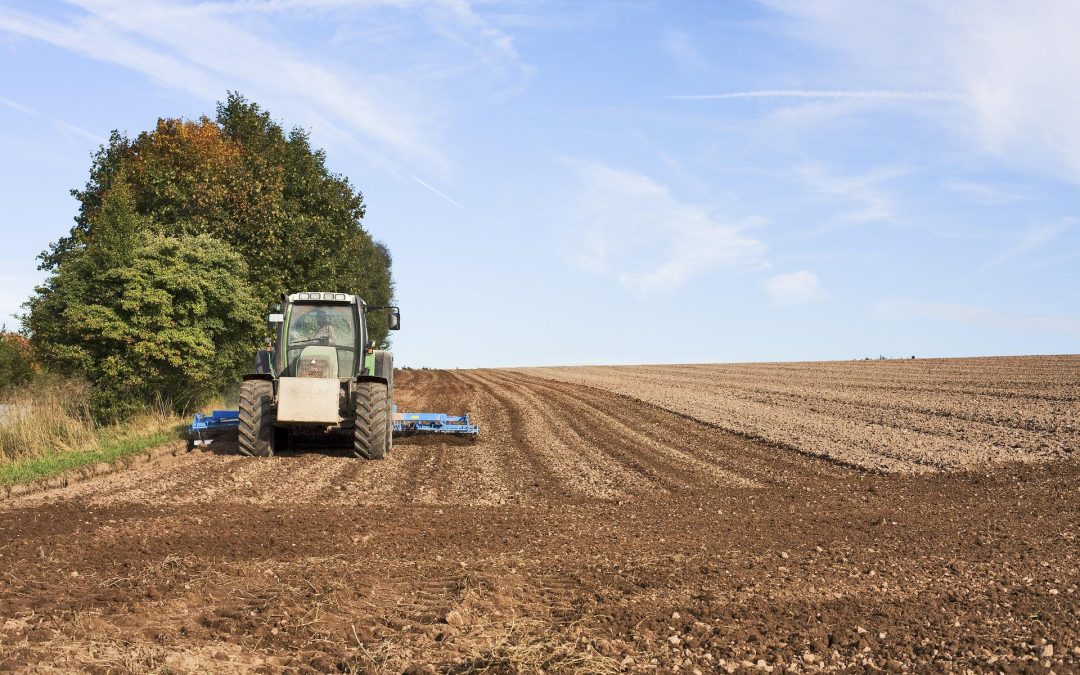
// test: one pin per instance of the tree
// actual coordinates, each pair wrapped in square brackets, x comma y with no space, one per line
[145,316]
[184,235]
[17,365]
[266,194]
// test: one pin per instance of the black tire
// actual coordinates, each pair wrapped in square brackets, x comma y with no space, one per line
[384,367]
[370,440]
[257,418]
[389,425]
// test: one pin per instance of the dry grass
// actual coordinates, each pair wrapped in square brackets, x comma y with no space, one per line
[48,428]
[50,415]
[530,646]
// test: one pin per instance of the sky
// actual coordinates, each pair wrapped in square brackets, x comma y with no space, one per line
[618,181]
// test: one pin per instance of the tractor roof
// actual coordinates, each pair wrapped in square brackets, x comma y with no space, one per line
[320,296]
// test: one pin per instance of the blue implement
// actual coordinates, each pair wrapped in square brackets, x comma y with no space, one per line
[208,428]
[224,425]
[434,423]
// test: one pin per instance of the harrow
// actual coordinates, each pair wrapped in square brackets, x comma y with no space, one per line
[223,425]
[406,424]
[220,424]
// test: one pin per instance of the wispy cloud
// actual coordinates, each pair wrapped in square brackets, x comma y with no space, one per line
[637,230]
[15,105]
[855,94]
[794,288]
[893,309]
[437,192]
[980,193]
[1036,236]
[680,47]
[1014,67]
[68,129]
[863,197]
[203,49]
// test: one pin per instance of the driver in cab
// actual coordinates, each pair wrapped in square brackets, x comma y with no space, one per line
[324,330]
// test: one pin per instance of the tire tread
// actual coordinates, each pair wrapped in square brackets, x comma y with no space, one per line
[256,428]
[372,417]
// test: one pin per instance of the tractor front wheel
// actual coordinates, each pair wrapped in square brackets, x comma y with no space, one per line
[257,418]
[370,440]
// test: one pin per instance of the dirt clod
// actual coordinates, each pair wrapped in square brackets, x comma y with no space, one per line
[454,618]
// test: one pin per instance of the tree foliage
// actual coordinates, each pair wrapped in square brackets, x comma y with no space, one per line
[184,236]
[17,365]
[145,316]
[263,192]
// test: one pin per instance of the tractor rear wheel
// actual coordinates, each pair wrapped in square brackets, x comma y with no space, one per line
[370,440]
[389,425]
[257,418]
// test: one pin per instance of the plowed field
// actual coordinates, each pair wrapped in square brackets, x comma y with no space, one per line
[900,416]
[585,530]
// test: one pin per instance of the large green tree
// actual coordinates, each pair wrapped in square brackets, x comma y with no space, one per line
[148,318]
[264,192]
[184,236]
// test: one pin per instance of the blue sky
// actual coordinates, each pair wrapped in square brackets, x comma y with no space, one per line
[619,182]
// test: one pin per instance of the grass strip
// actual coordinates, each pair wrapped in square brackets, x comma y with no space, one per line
[108,450]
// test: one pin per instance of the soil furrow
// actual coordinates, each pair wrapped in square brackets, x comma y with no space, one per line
[631,443]
[598,528]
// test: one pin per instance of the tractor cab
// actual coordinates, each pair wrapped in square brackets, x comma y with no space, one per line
[320,335]
[321,339]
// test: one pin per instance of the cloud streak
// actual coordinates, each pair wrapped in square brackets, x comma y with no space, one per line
[203,49]
[794,288]
[681,49]
[852,94]
[68,129]
[1013,65]
[971,314]
[636,230]
[437,192]
[863,197]
[1035,237]
[15,105]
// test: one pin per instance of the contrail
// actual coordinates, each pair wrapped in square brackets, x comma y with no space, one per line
[67,127]
[867,94]
[444,196]
[15,105]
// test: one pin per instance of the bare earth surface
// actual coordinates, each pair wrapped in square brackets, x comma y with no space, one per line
[896,415]
[585,531]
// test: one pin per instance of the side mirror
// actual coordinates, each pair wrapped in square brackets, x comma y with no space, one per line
[393,319]
[276,314]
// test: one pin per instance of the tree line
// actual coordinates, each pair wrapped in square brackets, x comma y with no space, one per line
[184,235]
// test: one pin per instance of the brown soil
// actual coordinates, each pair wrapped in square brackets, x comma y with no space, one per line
[902,416]
[584,531]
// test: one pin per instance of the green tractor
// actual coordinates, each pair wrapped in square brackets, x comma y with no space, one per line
[322,373]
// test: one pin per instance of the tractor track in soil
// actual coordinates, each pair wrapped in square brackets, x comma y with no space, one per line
[584,530]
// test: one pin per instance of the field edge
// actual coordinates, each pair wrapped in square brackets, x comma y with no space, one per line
[59,469]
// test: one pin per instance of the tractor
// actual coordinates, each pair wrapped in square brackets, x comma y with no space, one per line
[322,373]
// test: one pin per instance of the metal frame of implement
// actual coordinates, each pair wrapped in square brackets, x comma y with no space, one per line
[205,429]
[434,423]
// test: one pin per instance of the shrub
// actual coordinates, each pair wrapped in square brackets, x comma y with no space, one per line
[147,318]
[17,365]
